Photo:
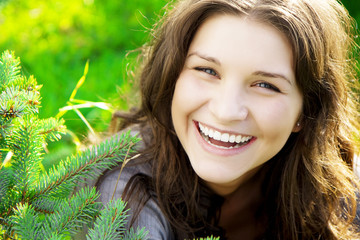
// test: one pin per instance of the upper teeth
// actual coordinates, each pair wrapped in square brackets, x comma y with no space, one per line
[224,137]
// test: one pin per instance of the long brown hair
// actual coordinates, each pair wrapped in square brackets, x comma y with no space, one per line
[311,189]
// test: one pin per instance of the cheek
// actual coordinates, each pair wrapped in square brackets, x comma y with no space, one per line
[181,104]
[188,94]
[277,117]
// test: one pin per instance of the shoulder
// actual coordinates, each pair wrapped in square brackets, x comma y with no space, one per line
[111,186]
[113,182]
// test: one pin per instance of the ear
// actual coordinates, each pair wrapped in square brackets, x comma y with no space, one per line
[297,127]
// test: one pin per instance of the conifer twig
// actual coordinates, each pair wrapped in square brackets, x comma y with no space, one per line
[121,169]
[72,213]
[35,204]
[111,222]
[88,164]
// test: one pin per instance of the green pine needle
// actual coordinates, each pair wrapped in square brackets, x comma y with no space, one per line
[72,214]
[39,205]
[26,143]
[47,205]
[9,68]
[52,128]
[5,182]
[110,225]
[61,179]
[139,234]
[25,222]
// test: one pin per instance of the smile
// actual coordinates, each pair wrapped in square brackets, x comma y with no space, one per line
[223,140]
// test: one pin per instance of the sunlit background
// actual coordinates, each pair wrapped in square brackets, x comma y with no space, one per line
[55,38]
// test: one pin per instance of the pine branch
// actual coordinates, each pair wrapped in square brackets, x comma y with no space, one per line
[56,236]
[8,203]
[12,103]
[27,145]
[34,206]
[62,178]
[25,222]
[9,68]
[72,214]
[52,128]
[140,234]
[46,205]
[15,102]
[110,225]
[6,183]
[18,95]
[25,83]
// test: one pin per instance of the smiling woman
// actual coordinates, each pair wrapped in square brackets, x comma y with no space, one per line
[246,92]
[248,124]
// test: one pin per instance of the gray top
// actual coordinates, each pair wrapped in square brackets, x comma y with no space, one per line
[151,216]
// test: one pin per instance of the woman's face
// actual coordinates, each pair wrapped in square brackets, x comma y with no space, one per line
[236,101]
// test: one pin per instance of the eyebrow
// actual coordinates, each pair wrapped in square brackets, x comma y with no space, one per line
[203,56]
[272,75]
[257,73]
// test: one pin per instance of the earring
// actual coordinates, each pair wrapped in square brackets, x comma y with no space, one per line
[298,124]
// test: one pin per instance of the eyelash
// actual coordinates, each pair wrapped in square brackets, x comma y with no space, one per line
[209,71]
[267,86]
[212,72]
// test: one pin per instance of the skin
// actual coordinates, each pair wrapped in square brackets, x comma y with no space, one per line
[238,78]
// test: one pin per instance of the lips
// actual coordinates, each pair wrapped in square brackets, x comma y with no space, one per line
[223,140]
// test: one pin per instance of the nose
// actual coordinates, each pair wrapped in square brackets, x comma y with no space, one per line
[229,103]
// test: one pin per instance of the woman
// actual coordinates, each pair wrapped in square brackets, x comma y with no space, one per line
[248,124]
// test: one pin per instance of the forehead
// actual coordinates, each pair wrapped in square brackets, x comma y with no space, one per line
[238,40]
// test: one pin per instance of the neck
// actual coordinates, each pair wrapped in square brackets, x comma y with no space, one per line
[240,215]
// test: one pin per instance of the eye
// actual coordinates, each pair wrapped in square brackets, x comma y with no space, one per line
[207,70]
[267,86]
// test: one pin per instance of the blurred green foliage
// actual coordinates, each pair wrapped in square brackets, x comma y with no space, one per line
[55,38]
[353,6]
